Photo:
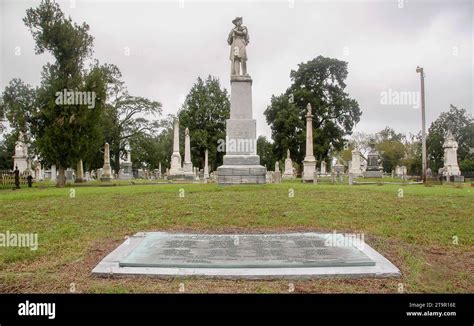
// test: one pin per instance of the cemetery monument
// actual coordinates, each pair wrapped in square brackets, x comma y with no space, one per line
[187,165]
[288,174]
[106,170]
[451,167]
[20,159]
[241,162]
[309,163]
[176,171]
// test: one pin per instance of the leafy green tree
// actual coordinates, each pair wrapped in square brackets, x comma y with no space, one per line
[461,124]
[391,148]
[64,133]
[412,158]
[392,153]
[150,150]
[389,134]
[204,112]
[7,148]
[467,166]
[320,82]
[265,151]
[126,117]
[18,105]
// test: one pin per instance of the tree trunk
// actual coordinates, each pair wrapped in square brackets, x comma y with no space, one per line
[117,160]
[61,180]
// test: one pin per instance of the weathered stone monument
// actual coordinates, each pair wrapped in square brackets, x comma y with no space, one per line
[374,170]
[246,256]
[69,174]
[277,173]
[241,162]
[176,171]
[288,174]
[206,165]
[189,173]
[338,171]
[401,171]
[309,163]
[196,174]
[451,167]
[126,172]
[355,169]
[20,159]
[53,173]
[80,172]
[38,170]
[106,170]
[269,177]
[323,168]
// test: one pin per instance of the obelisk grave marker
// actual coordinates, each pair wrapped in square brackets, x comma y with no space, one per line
[241,162]
[106,170]
[176,170]
[309,163]
[187,165]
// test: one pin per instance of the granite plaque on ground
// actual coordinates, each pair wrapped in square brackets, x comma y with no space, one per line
[243,251]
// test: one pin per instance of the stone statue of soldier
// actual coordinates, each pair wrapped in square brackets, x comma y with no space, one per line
[238,40]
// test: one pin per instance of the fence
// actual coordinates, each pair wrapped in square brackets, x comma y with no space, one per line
[7,179]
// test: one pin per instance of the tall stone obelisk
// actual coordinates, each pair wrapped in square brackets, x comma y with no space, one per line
[106,170]
[206,165]
[176,171]
[241,162]
[80,172]
[187,165]
[309,163]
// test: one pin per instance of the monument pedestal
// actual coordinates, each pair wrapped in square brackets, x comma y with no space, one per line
[21,162]
[241,164]
[373,174]
[125,171]
[106,177]
[188,171]
[309,167]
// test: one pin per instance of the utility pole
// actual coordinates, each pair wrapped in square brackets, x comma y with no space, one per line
[423,123]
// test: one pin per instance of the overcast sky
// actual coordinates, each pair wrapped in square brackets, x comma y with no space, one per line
[171,43]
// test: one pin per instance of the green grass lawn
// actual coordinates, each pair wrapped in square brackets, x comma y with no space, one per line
[417,232]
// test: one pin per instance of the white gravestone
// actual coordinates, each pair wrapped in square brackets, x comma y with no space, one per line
[288,174]
[355,166]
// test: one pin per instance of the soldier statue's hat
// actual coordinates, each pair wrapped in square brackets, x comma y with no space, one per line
[236,19]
